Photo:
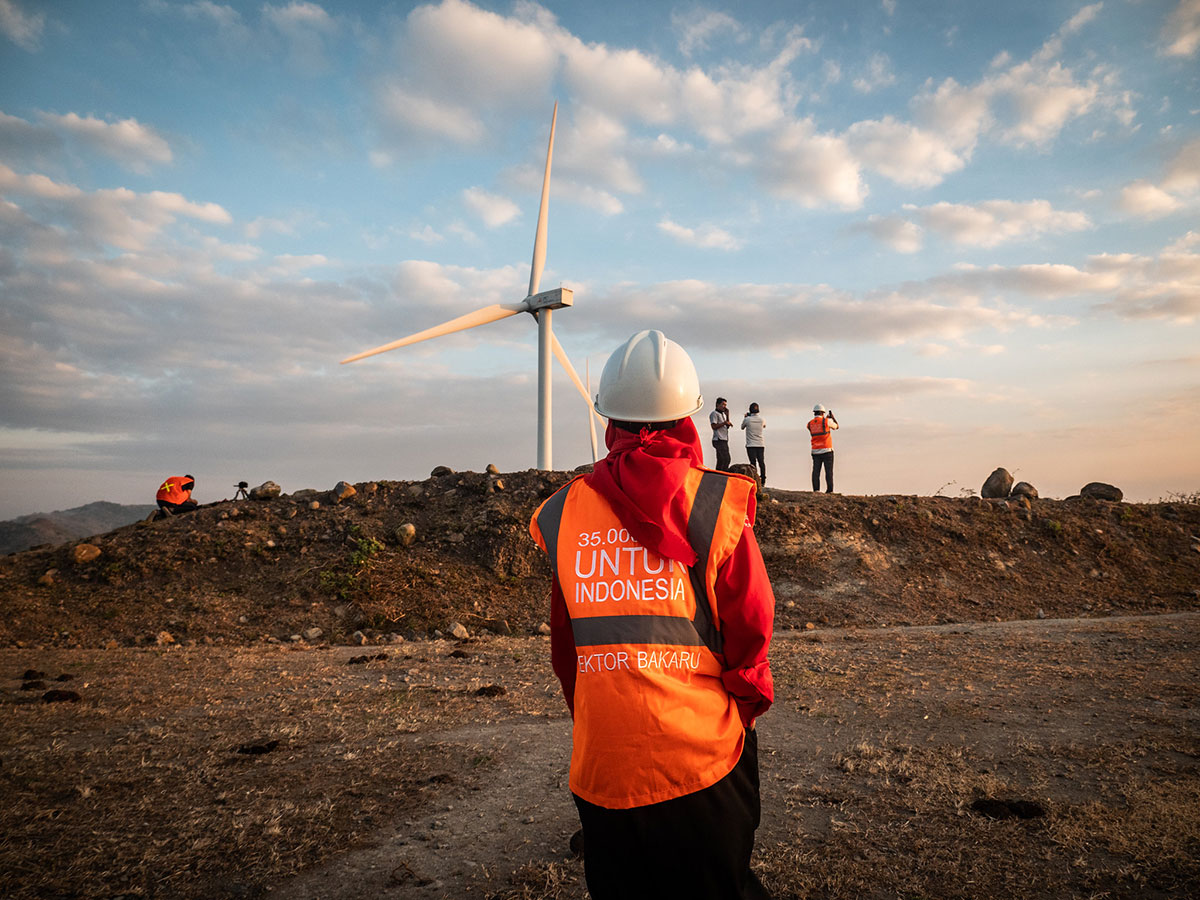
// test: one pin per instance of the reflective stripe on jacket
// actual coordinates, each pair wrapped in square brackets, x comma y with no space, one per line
[653,719]
[822,437]
[173,490]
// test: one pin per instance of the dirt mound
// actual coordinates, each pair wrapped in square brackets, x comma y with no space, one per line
[304,564]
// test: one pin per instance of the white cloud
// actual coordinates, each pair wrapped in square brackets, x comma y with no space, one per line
[128,141]
[706,236]
[696,27]
[1183,172]
[1181,32]
[899,234]
[20,140]
[1025,103]
[588,196]
[224,17]
[493,209]
[305,26]
[1185,243]
[812,169]
[878,74]
[412,114]
[115,217]
[1180,182]
[996,222]
[1141,198]
[22,28]
[1086,14]
[425,235]
[904,153]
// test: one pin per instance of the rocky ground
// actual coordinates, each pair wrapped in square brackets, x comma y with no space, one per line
[265,698]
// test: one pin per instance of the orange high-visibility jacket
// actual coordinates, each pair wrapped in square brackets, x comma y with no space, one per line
[173,491]
[653,720]
[822,436]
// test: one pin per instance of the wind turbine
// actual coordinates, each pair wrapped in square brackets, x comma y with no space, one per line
[538,304]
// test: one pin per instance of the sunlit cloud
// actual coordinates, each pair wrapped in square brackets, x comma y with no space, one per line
[706,236]
[1181,31]
[127,141]
[493,209]
[22,28]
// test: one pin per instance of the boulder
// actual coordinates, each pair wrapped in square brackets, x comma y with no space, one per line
[1098,490]
[313,634]
[439,471]
[406,534]
[343,490]
[84,553]
[997,486]
[1024,489]
[268,490]
[747,469]
[491,469]
[459,631]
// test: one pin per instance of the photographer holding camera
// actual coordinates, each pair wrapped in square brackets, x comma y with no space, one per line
[756,447]
[821,427]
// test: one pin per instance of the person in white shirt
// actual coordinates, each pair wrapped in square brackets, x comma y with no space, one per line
[719,420]
[753,425]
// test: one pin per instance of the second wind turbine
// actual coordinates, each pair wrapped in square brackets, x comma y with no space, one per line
[538,304]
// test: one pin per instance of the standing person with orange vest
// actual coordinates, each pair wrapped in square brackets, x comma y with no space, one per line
[175,495]
[822,426]
[661,616]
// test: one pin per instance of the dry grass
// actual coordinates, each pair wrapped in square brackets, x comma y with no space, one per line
[880,745]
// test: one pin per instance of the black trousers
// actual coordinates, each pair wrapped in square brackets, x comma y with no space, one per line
[826,460]
[722,448]
[695,847]
[757,458]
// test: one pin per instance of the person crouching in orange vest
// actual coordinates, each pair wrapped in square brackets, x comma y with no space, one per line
[175,495]
[661,617]
[822,426]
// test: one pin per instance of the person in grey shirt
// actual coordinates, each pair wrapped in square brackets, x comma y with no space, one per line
[719,420]
[753,425]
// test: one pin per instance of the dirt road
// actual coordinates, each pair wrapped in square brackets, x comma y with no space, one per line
[1056,758]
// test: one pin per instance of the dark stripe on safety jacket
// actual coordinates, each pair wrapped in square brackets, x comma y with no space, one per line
[592,631]
[702,524]
[549,520]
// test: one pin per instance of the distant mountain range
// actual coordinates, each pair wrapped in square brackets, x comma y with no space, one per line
[66,525]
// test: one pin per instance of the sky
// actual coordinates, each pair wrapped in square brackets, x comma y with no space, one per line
[971,232]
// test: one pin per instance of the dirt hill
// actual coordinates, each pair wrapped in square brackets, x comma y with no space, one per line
[250,571]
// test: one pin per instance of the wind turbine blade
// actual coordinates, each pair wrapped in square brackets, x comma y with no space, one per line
[483,316]
[565,362]
[587,375]
[539,239]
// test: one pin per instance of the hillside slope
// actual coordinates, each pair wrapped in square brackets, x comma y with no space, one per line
[241,572]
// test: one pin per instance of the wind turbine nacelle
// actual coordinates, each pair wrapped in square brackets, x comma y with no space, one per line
[555,299]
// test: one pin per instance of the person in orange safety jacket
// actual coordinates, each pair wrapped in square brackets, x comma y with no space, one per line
[822,426]
[175,494]
[661,617]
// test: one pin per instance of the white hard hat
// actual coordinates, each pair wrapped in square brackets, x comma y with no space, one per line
[818,408]
[649,379]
